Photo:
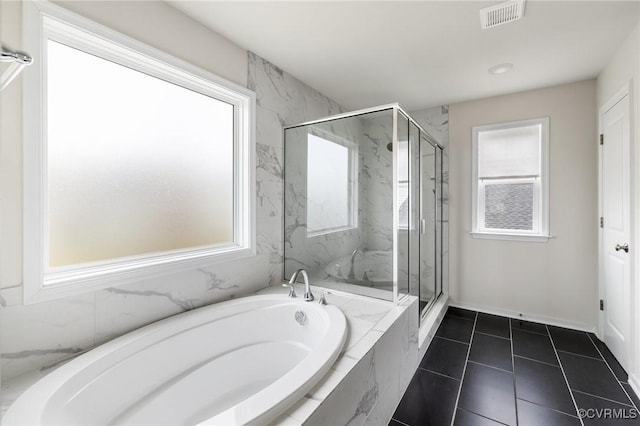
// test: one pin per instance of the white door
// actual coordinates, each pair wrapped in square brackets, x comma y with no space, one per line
[616,229]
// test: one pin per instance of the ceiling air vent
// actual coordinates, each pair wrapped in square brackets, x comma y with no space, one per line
[502,13]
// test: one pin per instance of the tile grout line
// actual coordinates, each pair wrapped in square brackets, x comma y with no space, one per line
[513,374]
[529,331]
[566,381]
[464,370]
[610,369]
[493,335]
[536,360]
[451,340]
[466,319]
[575,416]
[583,356]
[484,417]
[439,374]
[398,421]
[490,366]
[602,398]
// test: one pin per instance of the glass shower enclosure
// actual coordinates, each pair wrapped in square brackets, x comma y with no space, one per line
[363,205]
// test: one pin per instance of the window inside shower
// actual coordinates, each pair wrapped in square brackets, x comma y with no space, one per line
[331,185]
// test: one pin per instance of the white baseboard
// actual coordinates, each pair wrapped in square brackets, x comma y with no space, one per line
[526,316]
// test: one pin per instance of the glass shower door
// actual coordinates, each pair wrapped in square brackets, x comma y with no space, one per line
[428,220]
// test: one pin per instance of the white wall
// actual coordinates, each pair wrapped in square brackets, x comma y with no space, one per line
[556,281]
[624,67]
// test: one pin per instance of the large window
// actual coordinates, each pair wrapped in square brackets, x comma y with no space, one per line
[510,180]
[136,163]
[331,184]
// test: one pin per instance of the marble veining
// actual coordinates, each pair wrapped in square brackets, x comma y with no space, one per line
[185,305]
[215,283]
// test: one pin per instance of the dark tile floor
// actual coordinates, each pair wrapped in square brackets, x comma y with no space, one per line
[485,369]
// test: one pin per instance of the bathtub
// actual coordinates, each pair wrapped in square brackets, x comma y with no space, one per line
[243,361]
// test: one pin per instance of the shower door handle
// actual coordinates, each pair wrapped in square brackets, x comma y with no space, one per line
[423,226]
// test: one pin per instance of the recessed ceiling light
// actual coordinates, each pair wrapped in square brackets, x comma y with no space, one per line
[500,68]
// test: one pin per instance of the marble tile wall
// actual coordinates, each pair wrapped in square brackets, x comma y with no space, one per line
[37,337]
[378,166]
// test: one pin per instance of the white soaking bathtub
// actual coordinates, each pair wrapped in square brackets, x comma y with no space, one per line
[243,361]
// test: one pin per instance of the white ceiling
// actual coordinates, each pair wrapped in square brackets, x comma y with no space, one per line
[421,53]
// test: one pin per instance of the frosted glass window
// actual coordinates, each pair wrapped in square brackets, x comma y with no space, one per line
[330,186]
[136,164]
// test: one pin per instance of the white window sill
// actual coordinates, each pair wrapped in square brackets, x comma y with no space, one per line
[511,237]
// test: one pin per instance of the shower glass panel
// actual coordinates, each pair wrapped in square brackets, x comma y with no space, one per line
[428,223]
[439,216]
[403,202]
[362,207]
[414,203]
[339,220]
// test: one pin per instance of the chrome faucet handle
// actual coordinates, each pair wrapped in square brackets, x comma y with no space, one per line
[323,298]
[292,291]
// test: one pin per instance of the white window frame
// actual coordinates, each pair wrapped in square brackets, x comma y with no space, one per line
[540,232]
[353,151]
[43,21]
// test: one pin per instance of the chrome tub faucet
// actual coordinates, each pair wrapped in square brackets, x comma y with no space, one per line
[308,296]
[352,272]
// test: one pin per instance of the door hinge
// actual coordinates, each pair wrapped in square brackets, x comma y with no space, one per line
[601,139]
[601,305]
[601,222]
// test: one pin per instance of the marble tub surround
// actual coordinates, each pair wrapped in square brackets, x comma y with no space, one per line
[365,383]
[39,336]
[368,380]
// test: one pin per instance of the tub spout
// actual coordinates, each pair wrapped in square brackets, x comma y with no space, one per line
[308,296]
[352,272]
